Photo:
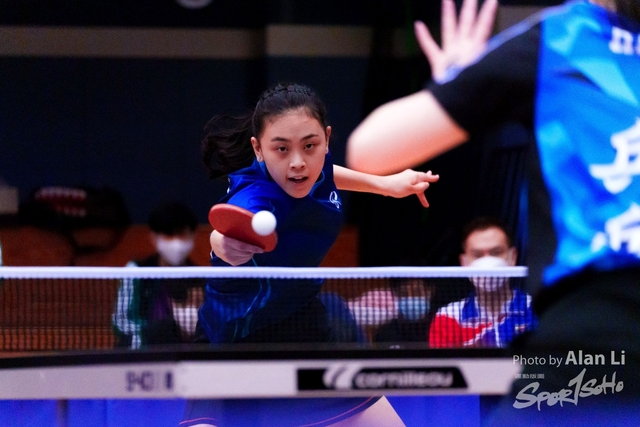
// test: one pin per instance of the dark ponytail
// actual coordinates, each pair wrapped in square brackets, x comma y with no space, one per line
[629,9]
[226,144]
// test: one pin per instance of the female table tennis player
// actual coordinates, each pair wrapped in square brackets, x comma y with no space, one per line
[278,160]
[310,229]
[286,169]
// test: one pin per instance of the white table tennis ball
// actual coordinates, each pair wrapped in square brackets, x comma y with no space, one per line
[263,223]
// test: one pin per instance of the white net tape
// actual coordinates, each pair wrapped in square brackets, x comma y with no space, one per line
[254,272]
[66,308]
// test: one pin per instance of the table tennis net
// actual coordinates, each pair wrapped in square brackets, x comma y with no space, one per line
[93,308]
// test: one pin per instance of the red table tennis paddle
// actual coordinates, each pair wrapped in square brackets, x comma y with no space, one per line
[235,222]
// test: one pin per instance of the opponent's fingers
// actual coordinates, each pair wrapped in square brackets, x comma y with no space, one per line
[467,18]
[426,42]
[449,24]
[486,18]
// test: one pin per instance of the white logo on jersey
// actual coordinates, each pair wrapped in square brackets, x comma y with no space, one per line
[335,199]
[622,41]
[618,175]
[619,230]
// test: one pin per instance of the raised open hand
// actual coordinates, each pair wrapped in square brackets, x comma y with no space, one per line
[462,40]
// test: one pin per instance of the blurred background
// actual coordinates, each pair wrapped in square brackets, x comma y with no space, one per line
[110,97]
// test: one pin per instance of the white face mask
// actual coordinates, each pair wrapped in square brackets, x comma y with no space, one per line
[174,251]
[485,283]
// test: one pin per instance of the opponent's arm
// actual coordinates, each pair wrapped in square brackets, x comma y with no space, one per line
[398,185]
[401,134]
[411,130]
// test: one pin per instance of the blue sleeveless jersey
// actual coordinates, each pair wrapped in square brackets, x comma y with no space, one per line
[306,228]
[587,125]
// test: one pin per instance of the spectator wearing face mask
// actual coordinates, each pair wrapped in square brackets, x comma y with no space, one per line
[414,297]
[152,311]
[495,312]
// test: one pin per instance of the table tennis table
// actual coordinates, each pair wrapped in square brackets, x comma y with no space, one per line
[264,373]
[58,353]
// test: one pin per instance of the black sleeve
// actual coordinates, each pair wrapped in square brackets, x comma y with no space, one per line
[498,87]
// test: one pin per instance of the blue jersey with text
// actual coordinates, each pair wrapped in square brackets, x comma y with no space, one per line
[306,227]
[588,132]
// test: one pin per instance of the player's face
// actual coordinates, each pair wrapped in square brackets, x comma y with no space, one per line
[489,242]
[293,146]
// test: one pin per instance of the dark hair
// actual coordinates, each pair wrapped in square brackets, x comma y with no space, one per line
[172,218]
[629,9]
[226,144]
[481,224]
[396,283]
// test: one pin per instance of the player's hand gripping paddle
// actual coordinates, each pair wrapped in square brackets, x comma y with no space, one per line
[236,222]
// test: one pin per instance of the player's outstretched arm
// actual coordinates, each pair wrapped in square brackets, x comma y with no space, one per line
[398,185]
[463,39]
[230,250]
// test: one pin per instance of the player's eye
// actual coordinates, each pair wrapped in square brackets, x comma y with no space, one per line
[281,149]
[310,146]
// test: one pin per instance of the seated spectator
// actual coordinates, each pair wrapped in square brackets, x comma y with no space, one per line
[374,307]
[152,311]
[495,312]
[414,298]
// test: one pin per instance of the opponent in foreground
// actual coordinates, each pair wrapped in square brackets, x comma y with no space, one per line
[572,76]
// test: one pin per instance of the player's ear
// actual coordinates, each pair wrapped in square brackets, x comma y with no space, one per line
[327,133]
[256,149]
